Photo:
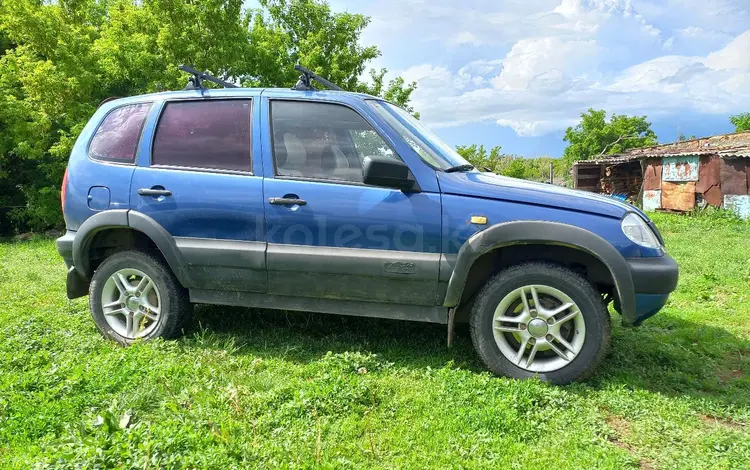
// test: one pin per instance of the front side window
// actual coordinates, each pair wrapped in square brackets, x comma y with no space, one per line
[116,139]
[322,141]
[211,134]
[422,140]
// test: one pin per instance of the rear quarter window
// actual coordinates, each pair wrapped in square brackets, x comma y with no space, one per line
[116,139]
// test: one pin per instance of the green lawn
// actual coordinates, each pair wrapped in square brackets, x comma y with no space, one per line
[266,389]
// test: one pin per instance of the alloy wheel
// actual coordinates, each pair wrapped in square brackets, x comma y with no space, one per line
[131,303]
[539,328]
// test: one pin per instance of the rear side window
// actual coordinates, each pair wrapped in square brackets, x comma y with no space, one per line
[116,139]
[212,134]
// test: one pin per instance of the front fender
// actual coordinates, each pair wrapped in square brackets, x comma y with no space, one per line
[542,232]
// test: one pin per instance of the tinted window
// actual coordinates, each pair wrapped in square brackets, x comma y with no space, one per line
[322,140]
[116,139]
[205,134]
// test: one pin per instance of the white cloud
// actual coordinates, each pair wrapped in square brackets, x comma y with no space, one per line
[545,83]
[545,64]
[736,55]
[465,37]
[692,31]
[534,66]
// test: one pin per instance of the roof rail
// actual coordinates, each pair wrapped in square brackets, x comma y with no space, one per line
[196,81]
[304,83]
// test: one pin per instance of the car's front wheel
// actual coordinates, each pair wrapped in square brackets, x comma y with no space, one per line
[539,319]
[134,295]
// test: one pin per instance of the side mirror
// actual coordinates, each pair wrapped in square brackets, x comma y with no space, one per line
[388,172]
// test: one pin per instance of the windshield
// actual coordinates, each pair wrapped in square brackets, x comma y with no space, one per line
[430,148]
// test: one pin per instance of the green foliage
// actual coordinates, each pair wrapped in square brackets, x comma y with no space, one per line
[536,169]
[741,122]
[682,137]
[478,156]
[59,60]
[259,389]
[596,136]
[396,91]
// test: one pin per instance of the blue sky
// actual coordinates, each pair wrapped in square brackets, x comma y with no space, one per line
[516,73]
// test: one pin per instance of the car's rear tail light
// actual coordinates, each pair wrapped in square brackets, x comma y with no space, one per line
[64,189]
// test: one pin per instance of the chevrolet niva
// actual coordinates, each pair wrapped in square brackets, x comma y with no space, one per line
[337,202]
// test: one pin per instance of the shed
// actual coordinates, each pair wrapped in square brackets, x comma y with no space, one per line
[678,176]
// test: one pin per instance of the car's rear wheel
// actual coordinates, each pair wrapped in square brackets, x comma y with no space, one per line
[539,319]
[134,295]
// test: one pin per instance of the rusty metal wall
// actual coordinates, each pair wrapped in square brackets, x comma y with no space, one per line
[679,196]
[740,204]
[652,174]
[734,176]
[682,168]
[709,180]
[651,200]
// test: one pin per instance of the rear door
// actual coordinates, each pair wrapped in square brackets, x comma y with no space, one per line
[200,182]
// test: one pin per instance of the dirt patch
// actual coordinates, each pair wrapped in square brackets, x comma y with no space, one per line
[619,425]
[719,421]
[731,369]
[622,429]
[730,374]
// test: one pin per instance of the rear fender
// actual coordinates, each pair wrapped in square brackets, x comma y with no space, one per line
[126,219]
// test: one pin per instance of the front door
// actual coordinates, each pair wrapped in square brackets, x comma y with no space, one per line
[331,236]
[200,184]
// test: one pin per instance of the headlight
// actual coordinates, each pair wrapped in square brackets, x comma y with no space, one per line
[637,230]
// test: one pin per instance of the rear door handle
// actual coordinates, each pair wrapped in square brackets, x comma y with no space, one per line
[154,192]
[286,201]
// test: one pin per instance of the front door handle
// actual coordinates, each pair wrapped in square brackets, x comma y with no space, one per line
[286,201]
[154,192]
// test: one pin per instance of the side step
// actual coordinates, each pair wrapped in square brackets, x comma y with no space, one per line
[437,314]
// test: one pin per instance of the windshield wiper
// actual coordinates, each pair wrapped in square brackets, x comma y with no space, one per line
[465,167]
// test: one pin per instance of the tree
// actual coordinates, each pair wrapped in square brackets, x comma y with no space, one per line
[478,156]
[595,137]
[741,122]
[59,60]
[682,137]
[536,169]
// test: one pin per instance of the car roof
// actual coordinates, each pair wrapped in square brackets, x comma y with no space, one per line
[243,92]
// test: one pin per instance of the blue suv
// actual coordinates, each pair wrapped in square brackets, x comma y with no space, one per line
[337,202]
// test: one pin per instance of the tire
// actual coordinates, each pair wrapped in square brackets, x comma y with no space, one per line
[163,294]
[498,341]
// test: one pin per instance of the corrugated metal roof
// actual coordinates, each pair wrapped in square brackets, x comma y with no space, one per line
[736,153]
[614,159]
[735,145]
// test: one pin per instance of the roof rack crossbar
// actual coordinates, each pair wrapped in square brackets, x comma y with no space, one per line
[305,80]
[196,81]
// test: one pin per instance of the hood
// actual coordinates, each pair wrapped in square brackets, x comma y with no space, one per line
[492,186]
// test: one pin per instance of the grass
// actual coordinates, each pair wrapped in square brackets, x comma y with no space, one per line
[266,389]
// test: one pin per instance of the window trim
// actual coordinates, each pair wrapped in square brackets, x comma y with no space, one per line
[223,171]
[436,168]
[166,102]
[113,161]
[276,174]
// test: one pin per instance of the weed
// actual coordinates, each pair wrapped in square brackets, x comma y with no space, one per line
[263,389]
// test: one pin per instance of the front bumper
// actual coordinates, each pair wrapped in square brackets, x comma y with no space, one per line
[653,280]
[75,285]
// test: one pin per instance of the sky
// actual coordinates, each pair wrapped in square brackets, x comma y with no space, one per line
[517,73]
